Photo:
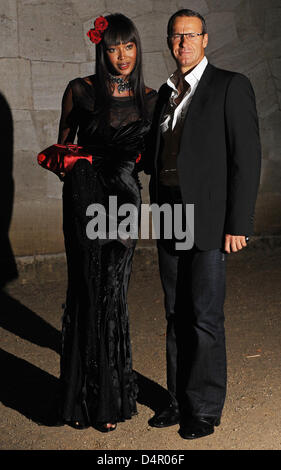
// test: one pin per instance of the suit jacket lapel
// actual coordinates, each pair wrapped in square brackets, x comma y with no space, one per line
[163,100]
[201,95]
[161,106]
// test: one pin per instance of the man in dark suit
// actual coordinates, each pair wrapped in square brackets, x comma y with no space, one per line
[206,152]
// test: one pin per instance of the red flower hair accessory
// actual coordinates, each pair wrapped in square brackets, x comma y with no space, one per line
[95,34]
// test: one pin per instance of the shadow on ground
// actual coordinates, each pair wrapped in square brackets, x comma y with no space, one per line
[26,324]
[30,390]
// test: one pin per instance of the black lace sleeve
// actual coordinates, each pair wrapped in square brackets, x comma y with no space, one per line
[68,121]
[151,99]
[147,156]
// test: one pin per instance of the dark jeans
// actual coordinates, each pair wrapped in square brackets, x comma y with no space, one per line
[194,286]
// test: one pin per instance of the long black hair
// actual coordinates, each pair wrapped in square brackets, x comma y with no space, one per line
[120,30]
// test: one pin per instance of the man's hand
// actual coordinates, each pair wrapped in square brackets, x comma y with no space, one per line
[234,243]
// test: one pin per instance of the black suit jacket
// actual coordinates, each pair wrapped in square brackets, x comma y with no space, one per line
[219,157]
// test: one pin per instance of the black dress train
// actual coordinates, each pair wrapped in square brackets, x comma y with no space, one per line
[97,380]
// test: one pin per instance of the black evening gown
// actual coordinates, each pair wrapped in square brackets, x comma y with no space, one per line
[98,384]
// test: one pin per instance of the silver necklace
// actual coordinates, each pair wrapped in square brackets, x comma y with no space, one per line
[122,84]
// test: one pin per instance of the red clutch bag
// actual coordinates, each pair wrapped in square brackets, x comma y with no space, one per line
[61,158]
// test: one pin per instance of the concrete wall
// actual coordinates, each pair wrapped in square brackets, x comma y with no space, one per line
[43,45]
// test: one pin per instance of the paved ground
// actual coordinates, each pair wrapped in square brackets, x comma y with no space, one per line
[30,322]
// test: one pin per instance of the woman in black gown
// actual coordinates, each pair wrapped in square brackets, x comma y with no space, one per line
[111,113]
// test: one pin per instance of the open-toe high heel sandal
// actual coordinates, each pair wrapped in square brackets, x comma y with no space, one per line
[78,425]
[103,427]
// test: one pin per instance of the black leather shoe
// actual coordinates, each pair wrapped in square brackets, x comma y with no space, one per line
[168,417]
[197,427]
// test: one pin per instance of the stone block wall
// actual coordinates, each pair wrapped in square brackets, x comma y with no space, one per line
[43,45]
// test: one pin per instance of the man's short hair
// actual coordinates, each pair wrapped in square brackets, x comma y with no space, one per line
[189,13]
